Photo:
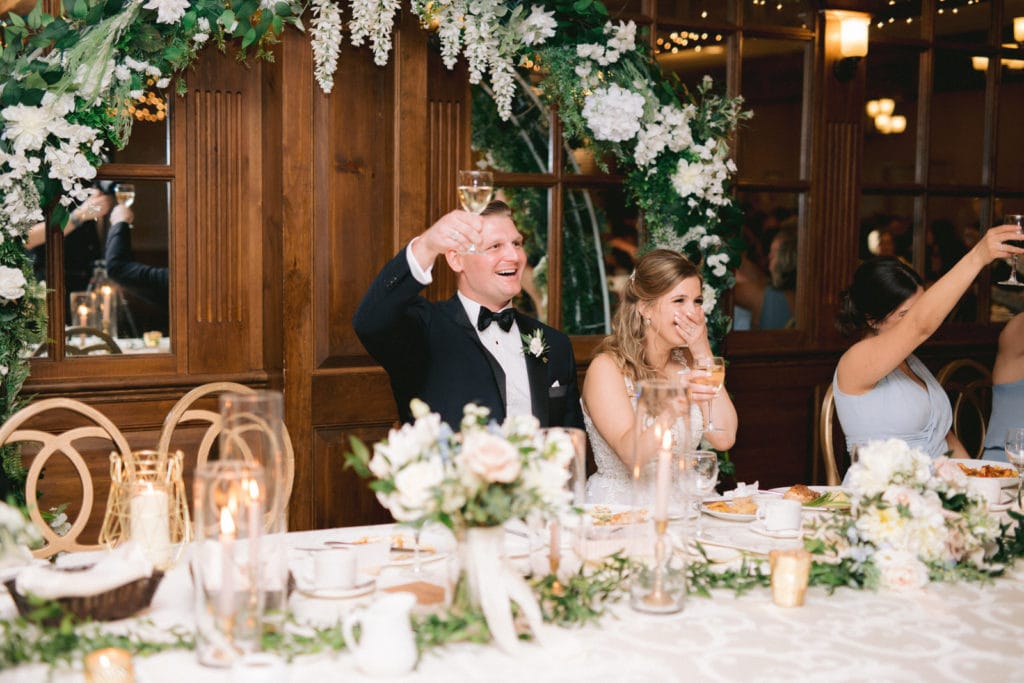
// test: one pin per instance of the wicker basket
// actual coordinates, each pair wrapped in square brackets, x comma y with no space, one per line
[118,603]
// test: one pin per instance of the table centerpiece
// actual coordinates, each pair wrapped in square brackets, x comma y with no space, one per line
[473,481]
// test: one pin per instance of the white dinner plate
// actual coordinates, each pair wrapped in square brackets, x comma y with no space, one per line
[1004,503]
[740,537]
[730,516]
[758,528]
[362,587]
[1005,482]
[819,490]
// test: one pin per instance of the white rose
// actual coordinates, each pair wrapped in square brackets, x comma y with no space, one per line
[900,570]
[12,283]
[490,457]
[416,483]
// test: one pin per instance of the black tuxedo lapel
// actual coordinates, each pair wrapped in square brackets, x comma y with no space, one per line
[457,312]
[537,373]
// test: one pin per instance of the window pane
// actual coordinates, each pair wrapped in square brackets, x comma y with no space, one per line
[692,11]
[1011,10]
[1007,301]
[797,14]
[519,145]
[963,21]
[892,82]
[773,85]
[887,226]
[1010,143]
[958,119]
[692,54]
[150,141]
[952,229]
[901,20]
[765,293]
[530,212]
[599,249]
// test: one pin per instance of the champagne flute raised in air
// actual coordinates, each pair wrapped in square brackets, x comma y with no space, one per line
[125,193]
[1018,220]
[476,188]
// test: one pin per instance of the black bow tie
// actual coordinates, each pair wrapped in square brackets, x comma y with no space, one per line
[504,318]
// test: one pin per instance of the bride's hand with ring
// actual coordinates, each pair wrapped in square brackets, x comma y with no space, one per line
[694,333]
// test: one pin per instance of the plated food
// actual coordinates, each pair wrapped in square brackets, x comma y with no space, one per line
[816,498]
[739,509]
[986,469]
[605,515]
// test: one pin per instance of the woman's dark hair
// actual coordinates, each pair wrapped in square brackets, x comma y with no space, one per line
[879,286]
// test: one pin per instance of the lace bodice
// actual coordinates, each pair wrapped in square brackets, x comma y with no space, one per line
[612,482]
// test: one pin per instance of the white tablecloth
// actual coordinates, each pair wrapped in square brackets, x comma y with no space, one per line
[946,632]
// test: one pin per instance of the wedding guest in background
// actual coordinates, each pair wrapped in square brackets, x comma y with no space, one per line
[881,389]
[658,331]
[1007,389]
[146,287]
[769,299]
[474,347]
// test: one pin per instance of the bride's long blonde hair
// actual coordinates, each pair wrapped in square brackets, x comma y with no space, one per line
[656,273]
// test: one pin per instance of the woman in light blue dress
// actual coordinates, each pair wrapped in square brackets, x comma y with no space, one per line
[882,390]
[1007,389]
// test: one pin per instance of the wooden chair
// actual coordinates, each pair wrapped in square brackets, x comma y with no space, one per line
[968,384]
[64,444]
[826,434]
[183,412]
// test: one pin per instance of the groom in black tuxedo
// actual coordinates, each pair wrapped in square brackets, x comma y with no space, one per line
[473,347]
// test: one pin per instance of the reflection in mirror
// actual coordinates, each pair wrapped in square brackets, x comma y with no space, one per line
[958,104]
[890,115]
[117,275]
[151,139]
[530,213]
[953,227]
[528,150]
[887,227]
[1007,301]
[691,55]
[764,296]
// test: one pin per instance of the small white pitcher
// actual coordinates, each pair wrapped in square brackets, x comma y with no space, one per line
[386,645]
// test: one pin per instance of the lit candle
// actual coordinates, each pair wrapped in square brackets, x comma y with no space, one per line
[150,524]
[106,307]
[254,509]
[555,546]
[83,320]
[664,477]
[109,665]
[226,597]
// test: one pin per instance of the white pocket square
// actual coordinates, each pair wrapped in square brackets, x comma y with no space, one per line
[555,384]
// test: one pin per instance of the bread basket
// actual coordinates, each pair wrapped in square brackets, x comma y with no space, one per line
[118,603]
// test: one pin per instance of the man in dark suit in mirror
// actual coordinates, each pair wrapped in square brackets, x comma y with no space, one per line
[474,347]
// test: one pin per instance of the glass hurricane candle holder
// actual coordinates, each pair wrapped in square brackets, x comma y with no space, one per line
[229,503]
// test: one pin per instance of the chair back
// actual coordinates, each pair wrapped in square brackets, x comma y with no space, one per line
[66,444]
[826,433]
[968,384]
[184,412]
[103,341]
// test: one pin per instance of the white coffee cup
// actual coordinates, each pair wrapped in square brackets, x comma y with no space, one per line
[989,488]
[329,569]
[781,515]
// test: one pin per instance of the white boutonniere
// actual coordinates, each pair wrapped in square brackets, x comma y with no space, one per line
[534,345]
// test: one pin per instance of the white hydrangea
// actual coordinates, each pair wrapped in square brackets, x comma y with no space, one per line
[710,295]
[12,284]
[614,113]
[718,264]
[325,37]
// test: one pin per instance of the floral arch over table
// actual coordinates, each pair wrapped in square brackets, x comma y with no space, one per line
[71,79]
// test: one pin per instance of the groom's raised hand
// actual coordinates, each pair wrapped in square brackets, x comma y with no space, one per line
[455,230]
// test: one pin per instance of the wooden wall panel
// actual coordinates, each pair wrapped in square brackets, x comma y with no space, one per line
[338,492]
[224,216]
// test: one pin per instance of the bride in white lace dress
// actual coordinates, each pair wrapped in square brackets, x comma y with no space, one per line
[657,332]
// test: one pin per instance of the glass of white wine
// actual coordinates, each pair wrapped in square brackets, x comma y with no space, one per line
[125,193]
[1018,220]
[476,188]
[1014,445]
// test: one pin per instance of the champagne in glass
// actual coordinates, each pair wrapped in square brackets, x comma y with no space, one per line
[125,193]
[476,188]
[1015,455]
[700,474]
[709,372]
[1018,220]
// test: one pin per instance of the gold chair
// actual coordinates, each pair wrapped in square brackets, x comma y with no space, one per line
[968,384]
[64,444]
[105,343]
[183,412]
[826,434]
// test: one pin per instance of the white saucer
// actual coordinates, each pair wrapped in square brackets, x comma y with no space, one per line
[758,528]
[362,588]
[406,558]
[1005,504]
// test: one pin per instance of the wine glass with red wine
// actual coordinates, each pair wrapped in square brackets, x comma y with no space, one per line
[1018,220]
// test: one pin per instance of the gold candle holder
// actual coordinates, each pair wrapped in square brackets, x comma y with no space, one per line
[791,570]
[109,665]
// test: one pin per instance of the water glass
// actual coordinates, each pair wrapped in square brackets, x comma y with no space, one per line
[1015,455]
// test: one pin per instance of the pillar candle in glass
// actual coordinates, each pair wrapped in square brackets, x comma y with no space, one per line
[225,560]
[150,522]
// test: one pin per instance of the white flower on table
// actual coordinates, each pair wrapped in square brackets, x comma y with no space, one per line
[12,284]
[414,487]
[900,570]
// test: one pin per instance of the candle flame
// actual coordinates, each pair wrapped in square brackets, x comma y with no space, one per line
[666,439]
[83,310]
[106,289]
[227,524]
[254,489]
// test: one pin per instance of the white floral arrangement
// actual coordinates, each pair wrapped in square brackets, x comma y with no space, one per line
[912,521]
[17,535]
[483,475]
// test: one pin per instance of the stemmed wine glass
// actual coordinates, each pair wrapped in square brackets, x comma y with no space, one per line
[1018,220]
[125,193]
[700,475]
[709,372]
[476,188]
[1015,455]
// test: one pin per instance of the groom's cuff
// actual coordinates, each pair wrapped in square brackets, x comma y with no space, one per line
[421,276]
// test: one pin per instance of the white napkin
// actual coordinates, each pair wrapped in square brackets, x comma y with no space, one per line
[741,490]
[116,568]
